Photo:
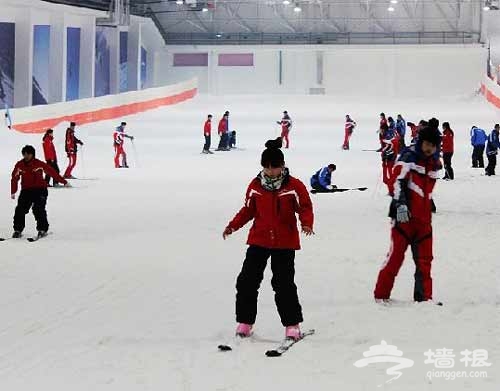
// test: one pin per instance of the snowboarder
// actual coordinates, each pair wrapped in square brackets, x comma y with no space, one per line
[71,148]
[207,133]
[448,148]
[349,126]
[401,130]
[49,151]
[223,133]
[286,125]
[118,140]
[33,191]
[272,200]
[478,139]
[412,183]
[492,150]
[322,179]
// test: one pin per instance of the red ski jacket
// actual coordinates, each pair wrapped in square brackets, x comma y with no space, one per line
[448,145]
[222,126]
[207,129]
[31,175]
[48,148]
[71,141]
[412,182]
[273,214]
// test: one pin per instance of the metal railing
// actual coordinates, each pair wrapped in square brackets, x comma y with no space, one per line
[395,38]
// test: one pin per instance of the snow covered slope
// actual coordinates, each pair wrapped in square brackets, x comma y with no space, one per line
[135,288]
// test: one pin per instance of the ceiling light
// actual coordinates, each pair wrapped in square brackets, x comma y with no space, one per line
[218,35]
[394,1]
[180,2]
[486,8]
[390,9]
[297,9]
[204,10]
[286,2]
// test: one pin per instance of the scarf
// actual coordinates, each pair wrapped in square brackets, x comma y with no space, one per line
[272,184]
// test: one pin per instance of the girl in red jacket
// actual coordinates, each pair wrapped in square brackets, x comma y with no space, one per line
[448,148]
[49,151]
[272,200]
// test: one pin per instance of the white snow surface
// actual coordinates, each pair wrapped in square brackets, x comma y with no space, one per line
[134,289]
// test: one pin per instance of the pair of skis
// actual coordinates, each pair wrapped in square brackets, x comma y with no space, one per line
[278,351]
[338,190]
[29,239]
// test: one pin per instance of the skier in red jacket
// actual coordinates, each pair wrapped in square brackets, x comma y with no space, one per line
[286,125]
[207,133]
[412,184]
[272,200]
[223,131]
[71,147]
[349,126]
[118,140]
[33,191]
[448,148]
[49,151]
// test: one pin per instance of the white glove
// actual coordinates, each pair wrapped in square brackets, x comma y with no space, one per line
[402,214]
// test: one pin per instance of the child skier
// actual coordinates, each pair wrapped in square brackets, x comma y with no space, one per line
[33,191]
[118,140]
[389,152]
[272,200]
[286,125]
[412,183]
[50,154]
[71,147]
[207,133]
[349,126]
[322,180]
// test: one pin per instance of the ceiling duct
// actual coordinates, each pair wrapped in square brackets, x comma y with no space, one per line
[119,14]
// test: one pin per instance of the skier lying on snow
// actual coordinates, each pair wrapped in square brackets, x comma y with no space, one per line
[272,200]
[321,181]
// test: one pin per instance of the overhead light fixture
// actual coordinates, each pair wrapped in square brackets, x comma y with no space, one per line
[486,8]
[394,1]
[179,2]
[286,2]
[204,9]
[390,9]
[218,35]
[297,9]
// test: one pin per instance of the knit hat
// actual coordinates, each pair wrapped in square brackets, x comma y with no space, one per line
[430,134]
[272,156]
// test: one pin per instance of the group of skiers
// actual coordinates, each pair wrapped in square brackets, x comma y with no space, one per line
[227,138]
[481,141]
[30,171]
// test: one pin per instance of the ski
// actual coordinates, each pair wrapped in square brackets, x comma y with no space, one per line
[370,150]
[237,340]
[6,239]
[286,344]
[338,190]
[36,238]
[2,239]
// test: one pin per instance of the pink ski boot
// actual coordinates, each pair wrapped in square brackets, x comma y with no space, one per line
[244,330]
[293,332]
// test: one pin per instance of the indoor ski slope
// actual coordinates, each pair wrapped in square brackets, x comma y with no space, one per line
[134,289]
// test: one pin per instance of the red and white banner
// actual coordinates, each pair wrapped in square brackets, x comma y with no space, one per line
[37,119]
[491,91]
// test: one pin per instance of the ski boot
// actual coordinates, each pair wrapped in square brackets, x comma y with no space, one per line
[244,330]
[17,234]
[293,332]
[42,234]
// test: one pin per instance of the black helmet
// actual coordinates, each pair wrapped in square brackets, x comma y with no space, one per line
[28,149]
[430,134]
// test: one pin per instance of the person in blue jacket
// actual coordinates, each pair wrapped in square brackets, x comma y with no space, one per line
[478,139]
[492,150]
[401,129]
[322,180]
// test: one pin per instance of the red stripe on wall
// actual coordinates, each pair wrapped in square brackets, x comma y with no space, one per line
[105,114]
[490,96]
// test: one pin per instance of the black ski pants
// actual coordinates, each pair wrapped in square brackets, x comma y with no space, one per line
[478,156]
[250,277]
[28,198]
